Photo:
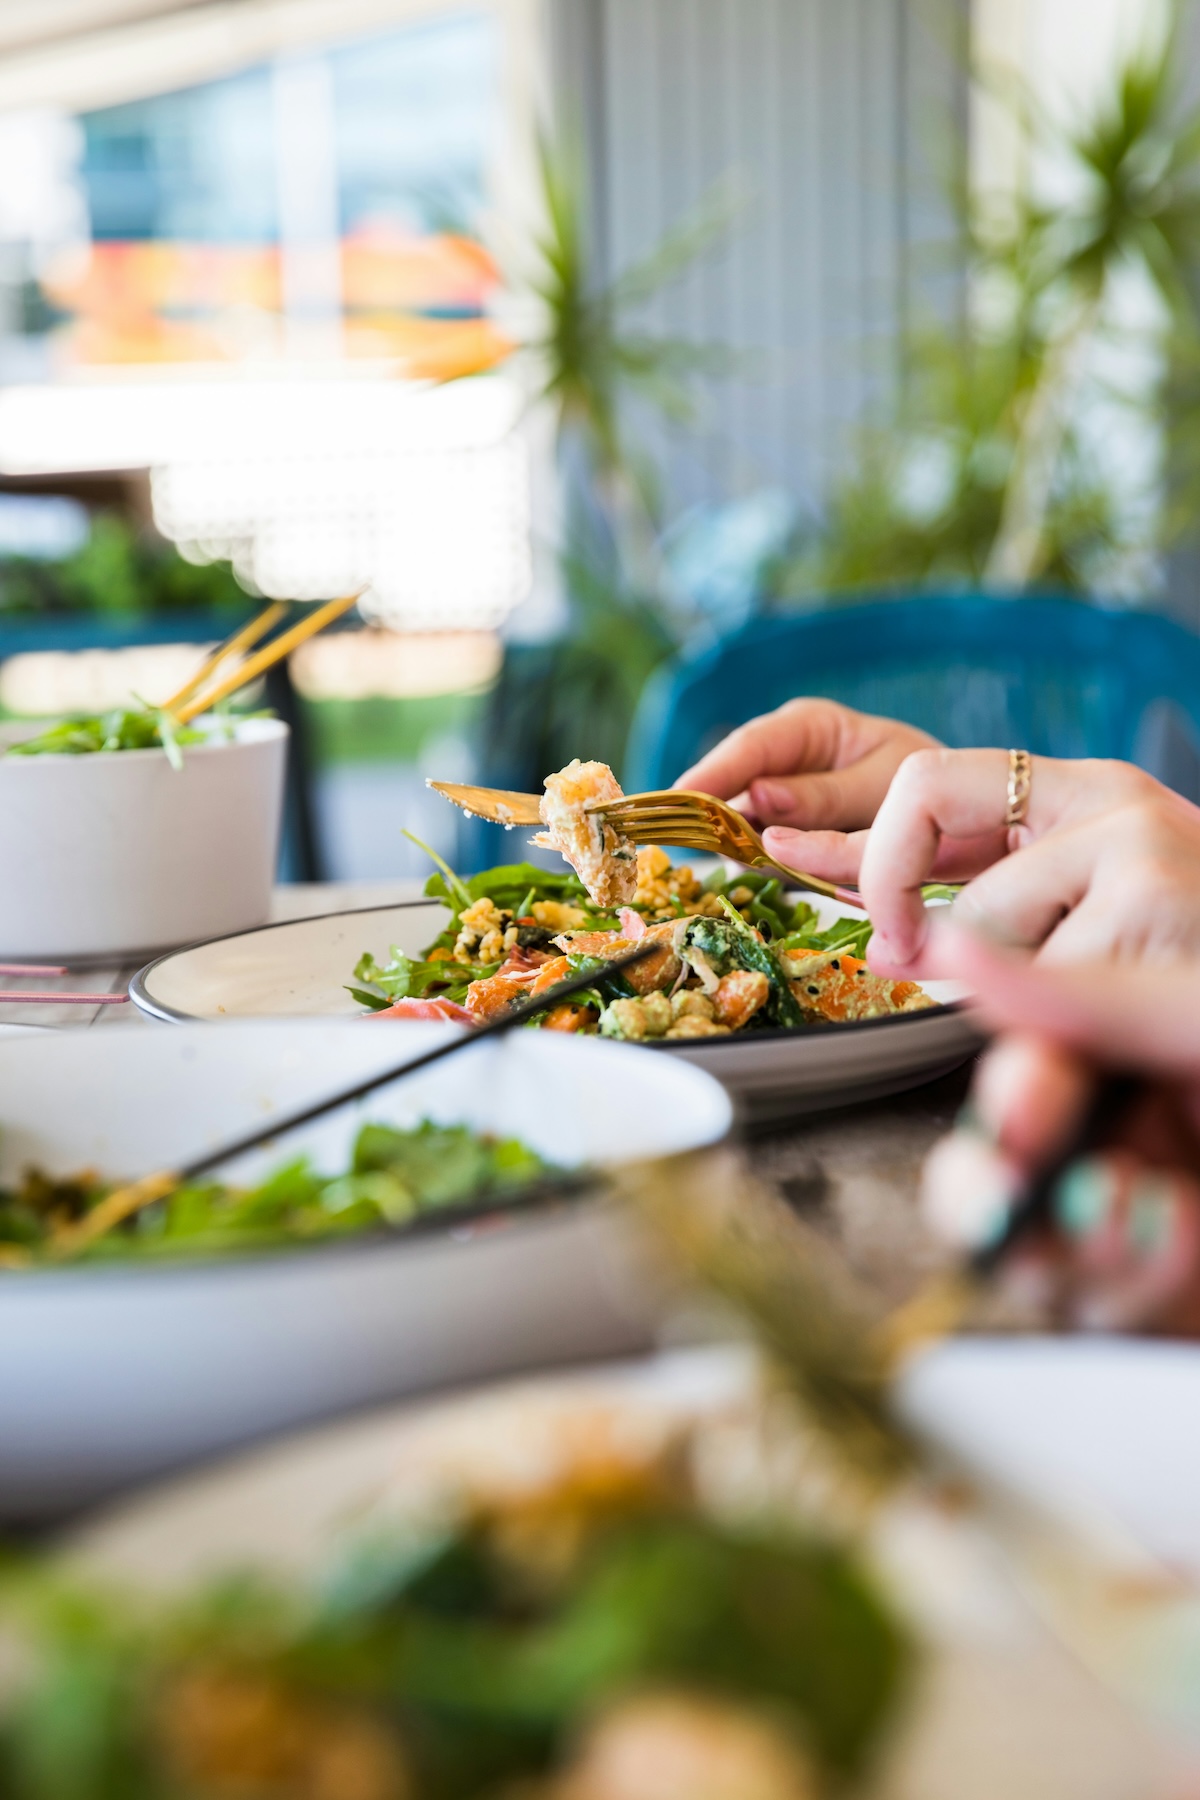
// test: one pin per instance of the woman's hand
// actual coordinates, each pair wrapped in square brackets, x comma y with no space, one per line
[813,765]
[1123,1248]
[1107,863]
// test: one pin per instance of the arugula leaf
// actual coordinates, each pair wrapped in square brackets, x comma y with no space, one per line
[513,888]
[730,943]
[770,907]
[452,884]
[374,1002]
[846,935]
[524,878]
[410,978]
[171,736]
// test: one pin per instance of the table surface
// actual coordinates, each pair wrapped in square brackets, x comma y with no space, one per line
[852,1173]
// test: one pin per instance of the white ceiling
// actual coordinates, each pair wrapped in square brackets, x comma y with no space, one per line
[79,54]
[23,25]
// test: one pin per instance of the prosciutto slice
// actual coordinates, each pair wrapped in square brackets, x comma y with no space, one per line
[427,1009]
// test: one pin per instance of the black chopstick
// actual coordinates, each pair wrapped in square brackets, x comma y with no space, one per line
[507,1021]
[133,1196]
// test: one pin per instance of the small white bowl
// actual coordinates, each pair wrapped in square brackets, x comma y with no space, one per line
[116,1372]
[112,854]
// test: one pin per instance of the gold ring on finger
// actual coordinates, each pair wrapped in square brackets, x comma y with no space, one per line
[1020,782]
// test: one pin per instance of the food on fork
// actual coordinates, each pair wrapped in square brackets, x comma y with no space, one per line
[604,859]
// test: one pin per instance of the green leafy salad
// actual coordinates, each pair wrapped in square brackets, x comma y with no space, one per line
[445,970]
[521,907]
[725,954]
[125,728]
[395,1178]
[601,1633]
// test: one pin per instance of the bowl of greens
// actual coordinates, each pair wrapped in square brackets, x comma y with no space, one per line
[121,833]
[447,1227]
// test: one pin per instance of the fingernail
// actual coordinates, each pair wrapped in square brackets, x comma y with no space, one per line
[884,951]
[974,1213]
[773,796]
[972,1122]
[1083,1198]
[1150,1225]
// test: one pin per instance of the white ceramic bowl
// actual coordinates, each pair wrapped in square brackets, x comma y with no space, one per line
[112,854]
[113,1373]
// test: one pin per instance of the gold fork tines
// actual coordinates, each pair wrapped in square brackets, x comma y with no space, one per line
[699,822]
[500,806]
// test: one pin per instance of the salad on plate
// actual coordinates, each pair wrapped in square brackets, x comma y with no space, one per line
[734,953]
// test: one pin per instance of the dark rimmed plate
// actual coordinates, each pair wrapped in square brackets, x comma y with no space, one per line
[300,970]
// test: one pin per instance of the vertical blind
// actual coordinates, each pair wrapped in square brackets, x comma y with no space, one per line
[840,125]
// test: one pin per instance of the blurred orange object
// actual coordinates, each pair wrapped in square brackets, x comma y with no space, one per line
[417,300]
[450,348]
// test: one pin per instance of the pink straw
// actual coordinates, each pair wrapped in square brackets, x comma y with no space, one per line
[33,969]
[34,998]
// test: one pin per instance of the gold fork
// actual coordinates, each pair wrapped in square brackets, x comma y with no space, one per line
[499,806]
[674,816]
[699,822]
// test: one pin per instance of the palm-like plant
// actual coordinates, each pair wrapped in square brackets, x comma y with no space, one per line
[592,362]
[990,472]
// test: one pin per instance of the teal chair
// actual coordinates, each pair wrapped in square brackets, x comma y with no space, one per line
[1057,677]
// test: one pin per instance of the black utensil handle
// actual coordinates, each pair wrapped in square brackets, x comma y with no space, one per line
[508,1021]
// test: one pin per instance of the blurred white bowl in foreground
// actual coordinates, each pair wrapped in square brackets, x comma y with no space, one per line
[117,852]
[113,1373]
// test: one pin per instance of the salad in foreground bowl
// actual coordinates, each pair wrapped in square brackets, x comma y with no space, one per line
[395,1179]
[733,954]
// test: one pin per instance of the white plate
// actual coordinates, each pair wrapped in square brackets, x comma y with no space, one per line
[302,968]
[1002,1707]
[1087,1428]
[112,1373]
